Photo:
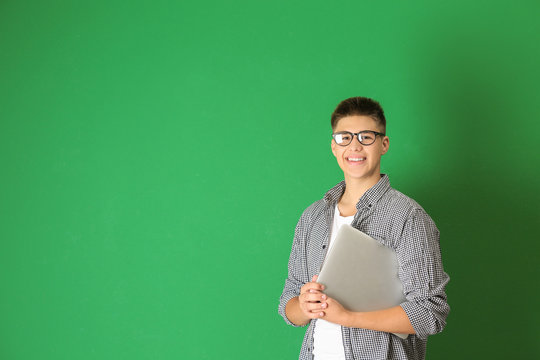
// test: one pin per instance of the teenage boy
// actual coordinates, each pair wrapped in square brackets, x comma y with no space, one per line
[366,201]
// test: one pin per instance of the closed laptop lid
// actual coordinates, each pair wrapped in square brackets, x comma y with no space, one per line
[361,273]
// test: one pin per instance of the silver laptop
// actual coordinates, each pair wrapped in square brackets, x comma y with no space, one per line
[361,273]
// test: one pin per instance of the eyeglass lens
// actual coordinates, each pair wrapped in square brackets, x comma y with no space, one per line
[345,138]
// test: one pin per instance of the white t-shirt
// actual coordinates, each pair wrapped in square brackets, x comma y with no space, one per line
[327,338]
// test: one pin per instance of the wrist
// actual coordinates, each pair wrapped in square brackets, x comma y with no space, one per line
[353,319]
[350,318]
[294,312]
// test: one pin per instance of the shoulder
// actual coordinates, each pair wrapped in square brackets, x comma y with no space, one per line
[409,212]
[314,211]
[322,206]
[400,204]
[395,213]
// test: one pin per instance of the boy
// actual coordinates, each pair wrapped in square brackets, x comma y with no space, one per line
[366,201]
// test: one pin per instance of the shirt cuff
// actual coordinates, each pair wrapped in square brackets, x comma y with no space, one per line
[417,316]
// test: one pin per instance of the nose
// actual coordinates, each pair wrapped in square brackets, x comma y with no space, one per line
[355,143]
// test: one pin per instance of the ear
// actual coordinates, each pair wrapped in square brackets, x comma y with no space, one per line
[385,145]
[333,145]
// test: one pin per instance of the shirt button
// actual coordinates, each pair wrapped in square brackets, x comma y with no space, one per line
[324,246]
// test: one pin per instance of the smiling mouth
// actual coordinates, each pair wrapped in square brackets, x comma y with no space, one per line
[356,159]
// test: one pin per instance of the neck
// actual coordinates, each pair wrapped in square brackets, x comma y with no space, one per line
[355,188]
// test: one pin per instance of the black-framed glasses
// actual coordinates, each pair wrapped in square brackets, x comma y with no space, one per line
[366,137]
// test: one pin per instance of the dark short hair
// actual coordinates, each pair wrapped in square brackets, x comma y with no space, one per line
[359,106]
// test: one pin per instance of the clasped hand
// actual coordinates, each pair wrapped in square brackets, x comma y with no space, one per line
[315,304]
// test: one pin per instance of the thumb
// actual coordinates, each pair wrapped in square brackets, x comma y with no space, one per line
[314,278]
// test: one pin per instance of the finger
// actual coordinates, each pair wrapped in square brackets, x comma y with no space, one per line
[313,297]
[312,286]
[314,280]
[332,301]
[315,307]
[313,291]
[318,314]
[312,300]
[315,313]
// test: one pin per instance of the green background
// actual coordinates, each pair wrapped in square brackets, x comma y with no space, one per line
[156,156]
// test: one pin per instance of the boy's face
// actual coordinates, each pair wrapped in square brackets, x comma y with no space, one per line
[360,162]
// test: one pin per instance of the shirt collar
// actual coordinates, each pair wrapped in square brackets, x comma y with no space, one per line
[370,197]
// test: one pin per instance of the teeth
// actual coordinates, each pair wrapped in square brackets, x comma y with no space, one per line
[356,159]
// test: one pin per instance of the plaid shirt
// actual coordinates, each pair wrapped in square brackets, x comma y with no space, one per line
[400,223]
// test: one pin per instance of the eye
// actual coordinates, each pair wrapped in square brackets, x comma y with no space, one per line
[367,136]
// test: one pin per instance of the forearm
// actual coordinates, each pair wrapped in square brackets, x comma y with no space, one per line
[294,313]
[393,320]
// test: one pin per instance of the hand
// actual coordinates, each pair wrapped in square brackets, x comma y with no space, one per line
[335,312]
[312,299]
